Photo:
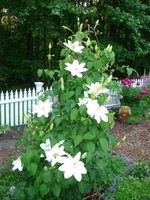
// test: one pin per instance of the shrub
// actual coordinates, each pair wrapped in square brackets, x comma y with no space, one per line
[133,188]
[134,119]
[134,185]
[67,141]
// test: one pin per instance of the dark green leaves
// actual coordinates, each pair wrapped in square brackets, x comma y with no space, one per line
[44,189]
[104,144]
[77,140]
[74,114]
[32,168]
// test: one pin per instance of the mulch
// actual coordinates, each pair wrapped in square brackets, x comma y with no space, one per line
[137,143]
[136,146]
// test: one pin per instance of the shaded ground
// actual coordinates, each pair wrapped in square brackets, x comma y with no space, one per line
[8,143]
[136,146]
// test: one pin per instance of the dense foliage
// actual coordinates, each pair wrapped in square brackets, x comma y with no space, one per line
[67,141]
[26,28]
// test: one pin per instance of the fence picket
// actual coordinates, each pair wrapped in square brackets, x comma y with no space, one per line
[7,108]
[21,107]
[16,108]
[25,106]
[2,109]
[29,102]
[12,109]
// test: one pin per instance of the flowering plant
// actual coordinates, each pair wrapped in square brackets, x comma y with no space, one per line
[130,90]
[136,96]
[67,142]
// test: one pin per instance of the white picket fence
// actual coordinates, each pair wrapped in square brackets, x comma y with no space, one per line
[141,81]
[13,105]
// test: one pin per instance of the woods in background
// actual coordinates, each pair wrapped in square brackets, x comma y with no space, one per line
[27,27]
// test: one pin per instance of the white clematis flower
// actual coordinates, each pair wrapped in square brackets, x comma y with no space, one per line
[84,100]
[46,146]
[73,167]
[17,164]
[75,46]
[97,112]
[43,108]
[75,68]
[96,89]
[54,154]
[92,106]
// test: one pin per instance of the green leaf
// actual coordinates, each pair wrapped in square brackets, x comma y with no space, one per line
[104,144]
[49,73]
[69,94]
[57,120]
[44,190]
[26,157]
[77,140]
[89,136]
[90,147]
[59,176]
[81,187]
[40,72]
[35,157]
[32,168]
[68,146]
[56,189]
[112,140]
[82,109]
[47,176]
[129,71]
[101,164]
[78,91]
[69,105]
[74,114]
[89,157]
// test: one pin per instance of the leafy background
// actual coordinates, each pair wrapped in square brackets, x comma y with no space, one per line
[27,27]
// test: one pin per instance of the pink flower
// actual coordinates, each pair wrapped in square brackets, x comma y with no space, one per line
[129,82]
[138,83]
[138,96]
[145,91]
[123,82]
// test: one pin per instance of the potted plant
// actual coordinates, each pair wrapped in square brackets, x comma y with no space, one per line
[124,113]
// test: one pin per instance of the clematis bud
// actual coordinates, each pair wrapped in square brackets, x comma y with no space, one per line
[62,83]
[108,98]
[118,144]
[97,22]
[109,48]
[50,46]
[124,138]
[88,42]
[109,79]
[26,117]
[84,155]
[51,126]
[45,168]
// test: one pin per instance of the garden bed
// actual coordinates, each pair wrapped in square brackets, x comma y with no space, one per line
[136,145]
